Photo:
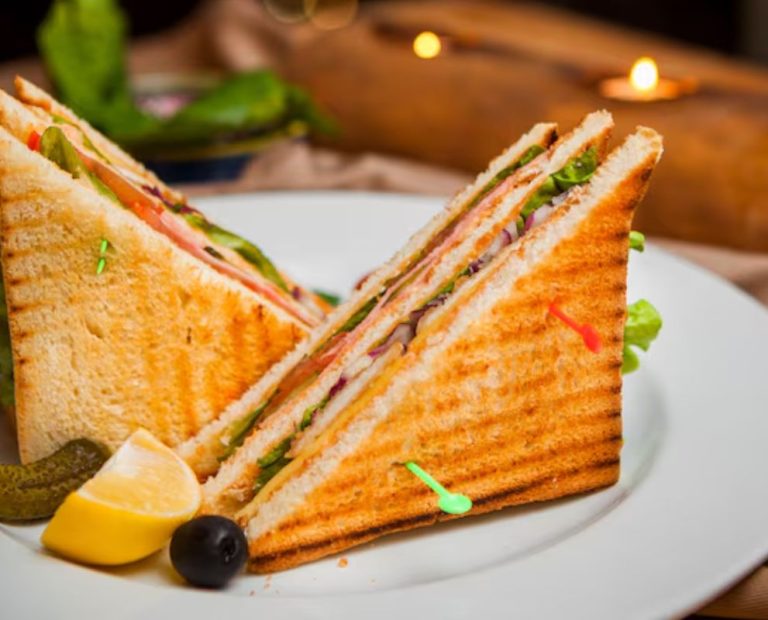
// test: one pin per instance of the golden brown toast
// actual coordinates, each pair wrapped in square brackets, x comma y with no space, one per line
[232,486]
[496,397]
[202,451]
[158,340]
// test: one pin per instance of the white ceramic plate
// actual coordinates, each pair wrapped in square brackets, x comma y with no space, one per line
[688,517]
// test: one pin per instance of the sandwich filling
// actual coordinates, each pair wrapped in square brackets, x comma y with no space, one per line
[311,366]
[69,148]
[538,208]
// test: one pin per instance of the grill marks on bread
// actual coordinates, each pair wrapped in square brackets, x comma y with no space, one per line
[466,247]
[496,398]
[156,340]
[596,476]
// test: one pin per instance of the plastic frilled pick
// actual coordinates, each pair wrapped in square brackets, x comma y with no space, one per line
[588,333]
[452,503]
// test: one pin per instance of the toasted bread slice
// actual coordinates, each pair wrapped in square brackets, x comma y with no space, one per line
[496,398]
[39,100]
[158,340]
[121,173]
[231,488]
[203,451]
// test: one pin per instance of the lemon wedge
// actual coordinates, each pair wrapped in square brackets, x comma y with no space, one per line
[129,509]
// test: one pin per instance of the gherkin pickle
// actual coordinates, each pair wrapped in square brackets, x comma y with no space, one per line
[36,490]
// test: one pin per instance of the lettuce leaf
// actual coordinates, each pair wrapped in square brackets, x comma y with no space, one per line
[359,316]
[576,172]
[636,241]
[641,329]
[271,463]
[330,298]
[240,429]
[243,247]
[530,154]
[55,145]
[83,45]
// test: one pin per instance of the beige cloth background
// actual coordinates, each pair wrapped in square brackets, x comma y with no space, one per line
[236,34]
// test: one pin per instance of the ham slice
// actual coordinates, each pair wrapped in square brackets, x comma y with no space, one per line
[485,203]
[160,219]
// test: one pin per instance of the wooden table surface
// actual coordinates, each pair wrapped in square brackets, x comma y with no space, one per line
[506,66]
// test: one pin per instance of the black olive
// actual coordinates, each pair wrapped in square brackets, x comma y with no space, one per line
[209,551]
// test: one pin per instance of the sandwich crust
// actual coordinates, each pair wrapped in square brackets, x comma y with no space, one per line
[231,488]
[496,398]
[158,340]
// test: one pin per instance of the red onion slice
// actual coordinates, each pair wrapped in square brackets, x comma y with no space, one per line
[337,387]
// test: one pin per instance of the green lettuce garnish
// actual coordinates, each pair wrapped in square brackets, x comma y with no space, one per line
[276,458]
[576,172]
[359,316]
[240,429]
[83,136]
[530,154]
[636,241]
[55,146]
[243,247]
[272,463]
[83,44]
[641,329]
[276,453]
[309,413]
[331,298]
[270,471]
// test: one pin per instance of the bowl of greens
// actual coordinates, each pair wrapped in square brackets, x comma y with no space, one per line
[186,127]
[207,127]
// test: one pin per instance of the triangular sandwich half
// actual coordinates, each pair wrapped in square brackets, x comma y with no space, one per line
[508,390]
[297,399]
[317,364]
[127,308]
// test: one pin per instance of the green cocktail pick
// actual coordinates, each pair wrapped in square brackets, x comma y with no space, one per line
[452,503]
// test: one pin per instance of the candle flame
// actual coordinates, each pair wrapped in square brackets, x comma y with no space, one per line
[427,45]
[644,76]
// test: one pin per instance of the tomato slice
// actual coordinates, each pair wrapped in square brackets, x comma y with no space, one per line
[33,141]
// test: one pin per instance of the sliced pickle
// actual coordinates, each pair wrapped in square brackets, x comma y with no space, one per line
[36,490]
